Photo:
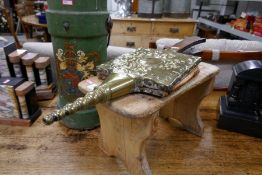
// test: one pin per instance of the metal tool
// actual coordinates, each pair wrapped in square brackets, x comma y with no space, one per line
[149,71]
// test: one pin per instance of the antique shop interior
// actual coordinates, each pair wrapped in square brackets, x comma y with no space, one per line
[130,87]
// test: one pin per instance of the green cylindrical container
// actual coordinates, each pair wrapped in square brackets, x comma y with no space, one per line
[79,31]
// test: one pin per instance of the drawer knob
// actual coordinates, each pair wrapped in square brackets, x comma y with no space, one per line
[131,29]
[130,44]
[174,30]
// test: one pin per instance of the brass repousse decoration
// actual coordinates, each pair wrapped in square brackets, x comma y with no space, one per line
[149,71]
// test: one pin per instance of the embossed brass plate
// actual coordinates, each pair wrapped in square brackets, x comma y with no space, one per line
[156,71]
[149,71]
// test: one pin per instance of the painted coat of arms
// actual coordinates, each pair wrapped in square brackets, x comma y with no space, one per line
[74,67]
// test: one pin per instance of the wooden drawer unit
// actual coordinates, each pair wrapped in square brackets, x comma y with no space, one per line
[126,41]
[132,28]
[137,32]
[169,29]
[132,41]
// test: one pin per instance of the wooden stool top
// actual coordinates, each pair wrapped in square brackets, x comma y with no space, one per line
[140,105]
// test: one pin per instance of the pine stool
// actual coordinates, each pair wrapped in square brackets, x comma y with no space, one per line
[126,123]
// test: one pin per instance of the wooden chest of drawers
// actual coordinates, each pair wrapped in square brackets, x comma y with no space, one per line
[137,32]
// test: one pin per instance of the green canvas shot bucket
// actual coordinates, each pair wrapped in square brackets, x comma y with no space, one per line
[79,32]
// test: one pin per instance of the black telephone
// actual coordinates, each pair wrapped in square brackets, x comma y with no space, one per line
[241,108]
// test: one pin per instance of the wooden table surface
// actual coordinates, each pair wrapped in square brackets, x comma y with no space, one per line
[33,20]
[56,150]
[163,19]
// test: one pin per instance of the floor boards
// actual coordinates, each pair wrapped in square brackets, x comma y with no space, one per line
[56,150]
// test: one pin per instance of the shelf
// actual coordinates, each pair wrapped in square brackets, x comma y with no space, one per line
[229,29]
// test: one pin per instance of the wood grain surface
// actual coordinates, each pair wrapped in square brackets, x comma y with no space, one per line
[140,105]
[136,32]
[56,150]
[33,20]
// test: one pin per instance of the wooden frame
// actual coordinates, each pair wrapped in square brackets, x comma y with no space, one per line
[232,55]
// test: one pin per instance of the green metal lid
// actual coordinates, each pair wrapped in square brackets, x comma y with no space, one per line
[78,5]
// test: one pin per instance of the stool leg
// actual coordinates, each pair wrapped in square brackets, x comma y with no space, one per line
[185,108]
[124,138]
